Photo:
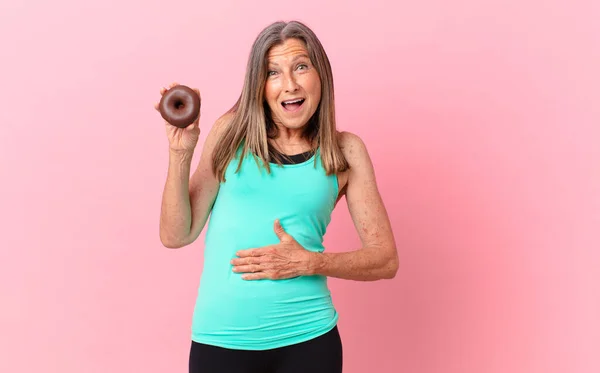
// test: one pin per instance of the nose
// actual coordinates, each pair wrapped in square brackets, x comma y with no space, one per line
[290,83]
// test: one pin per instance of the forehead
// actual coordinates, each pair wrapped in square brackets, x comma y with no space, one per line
[291,48]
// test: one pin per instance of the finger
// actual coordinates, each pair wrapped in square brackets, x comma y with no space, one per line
[279,231]
[251,252]
[173,85]
[162,90]
[270,275]
[255,276]
[252,268]
[246,261]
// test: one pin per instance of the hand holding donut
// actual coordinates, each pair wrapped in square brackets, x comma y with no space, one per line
[180,108]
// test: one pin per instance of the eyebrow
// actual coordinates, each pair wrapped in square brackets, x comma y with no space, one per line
[303,55]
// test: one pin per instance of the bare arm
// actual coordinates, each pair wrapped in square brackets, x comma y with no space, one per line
[378,257]
[187,202]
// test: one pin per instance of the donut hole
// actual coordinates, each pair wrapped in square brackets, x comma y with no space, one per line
[178,104]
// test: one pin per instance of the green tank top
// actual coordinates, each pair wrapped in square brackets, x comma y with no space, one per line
[261,314]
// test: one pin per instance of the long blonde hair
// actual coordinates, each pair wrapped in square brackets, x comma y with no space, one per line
[251,121]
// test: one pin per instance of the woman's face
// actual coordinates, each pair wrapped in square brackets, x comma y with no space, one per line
[293,86]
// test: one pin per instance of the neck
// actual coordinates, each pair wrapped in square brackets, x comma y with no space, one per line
[291,141]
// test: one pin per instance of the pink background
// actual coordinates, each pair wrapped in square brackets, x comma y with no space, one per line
[482,119]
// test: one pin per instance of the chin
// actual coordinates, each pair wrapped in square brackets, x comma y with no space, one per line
[293,120]
[294,125]
[291,123]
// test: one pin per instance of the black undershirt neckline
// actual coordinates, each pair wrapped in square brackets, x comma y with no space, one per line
[295,158]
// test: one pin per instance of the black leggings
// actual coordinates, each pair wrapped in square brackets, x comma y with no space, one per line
[319,355]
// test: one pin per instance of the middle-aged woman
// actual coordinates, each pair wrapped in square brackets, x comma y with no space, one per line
[271,171]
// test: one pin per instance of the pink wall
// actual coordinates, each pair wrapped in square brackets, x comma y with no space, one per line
[482,118]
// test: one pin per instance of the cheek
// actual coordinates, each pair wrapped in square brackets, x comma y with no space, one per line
[318,91]
[314,87]
[270,92]
[316,94]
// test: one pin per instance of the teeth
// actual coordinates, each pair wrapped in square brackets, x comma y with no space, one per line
[292,102]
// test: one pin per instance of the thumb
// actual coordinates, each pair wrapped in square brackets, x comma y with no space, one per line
[279,231]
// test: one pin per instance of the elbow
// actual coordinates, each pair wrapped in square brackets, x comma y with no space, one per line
[391,268]
[171,242]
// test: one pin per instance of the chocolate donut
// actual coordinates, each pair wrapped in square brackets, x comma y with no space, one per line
[180,106]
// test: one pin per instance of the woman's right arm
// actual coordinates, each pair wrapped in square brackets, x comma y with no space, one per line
[187,202]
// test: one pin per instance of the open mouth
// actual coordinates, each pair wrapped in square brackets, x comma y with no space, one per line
[292,105]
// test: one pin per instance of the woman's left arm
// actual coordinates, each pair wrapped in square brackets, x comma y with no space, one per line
[377,258]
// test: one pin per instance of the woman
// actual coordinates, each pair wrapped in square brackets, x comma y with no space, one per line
[271,171]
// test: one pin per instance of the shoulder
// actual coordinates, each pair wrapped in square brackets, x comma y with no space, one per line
[353,147]
[360,168]
[218,129]
[223,122]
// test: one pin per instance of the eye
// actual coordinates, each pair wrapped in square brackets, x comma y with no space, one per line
[303,66]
